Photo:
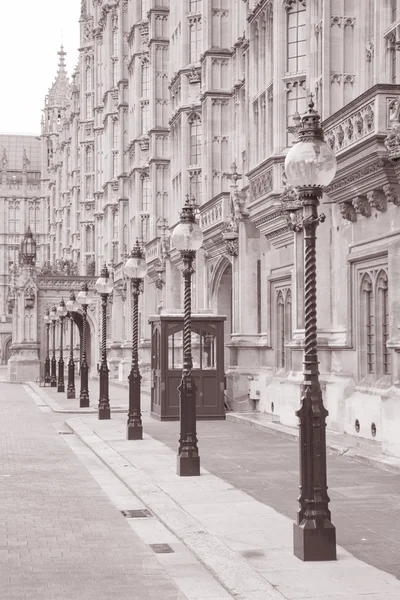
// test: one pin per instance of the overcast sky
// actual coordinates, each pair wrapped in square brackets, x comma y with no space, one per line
[30,37]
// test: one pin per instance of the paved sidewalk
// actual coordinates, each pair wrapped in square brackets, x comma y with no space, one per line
[246,544]
[365,501]
[62,535]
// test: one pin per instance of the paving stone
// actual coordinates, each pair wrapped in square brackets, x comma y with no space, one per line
[60,536]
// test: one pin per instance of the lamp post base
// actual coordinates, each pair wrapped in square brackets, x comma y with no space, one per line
[61,388]
[70,394]
[188,466]
[134,431]
[104,413]
[312,543]
[84,401]
[53,384]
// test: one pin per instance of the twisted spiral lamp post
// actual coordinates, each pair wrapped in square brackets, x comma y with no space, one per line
[310,165]
[72,307]
[53,317]
[62,313]
[104,287]
[84,300]
[46,318]
[136,269]
[187,237]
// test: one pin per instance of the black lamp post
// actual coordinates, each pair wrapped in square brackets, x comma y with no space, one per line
[188,238]
[310,165]
[104,287]
[84,300]
[72,307]
[47,378]
[62,313]
[136,269]
[53,377]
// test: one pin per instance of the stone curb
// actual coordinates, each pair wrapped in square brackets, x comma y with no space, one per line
[231,570]
[55,407]
[385,463]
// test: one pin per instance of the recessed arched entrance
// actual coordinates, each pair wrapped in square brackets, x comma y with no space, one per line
[221,298]
[6,351]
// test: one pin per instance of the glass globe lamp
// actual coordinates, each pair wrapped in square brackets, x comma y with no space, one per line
[71,304]
[187,236]
[53,314]
[83,296]
[61,309]
[136,267]
[104,284]
[311,162]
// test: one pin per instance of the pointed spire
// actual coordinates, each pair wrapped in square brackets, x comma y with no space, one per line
[61,53]
[59,91]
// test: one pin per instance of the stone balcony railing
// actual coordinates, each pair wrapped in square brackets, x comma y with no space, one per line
[214,212]
[153,250]
[367,116]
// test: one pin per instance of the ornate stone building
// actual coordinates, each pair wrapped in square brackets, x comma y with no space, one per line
[177,97]
[21,203]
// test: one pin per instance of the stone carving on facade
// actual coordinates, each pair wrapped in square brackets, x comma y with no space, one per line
[230,234]
[391,194]
[369,51]
[59,267]
[90,267]
[362,206]
[392,140]
[237,199]
[291,207]
[194,75]
[348,211]
[29,295]
[377,200]
[4,160]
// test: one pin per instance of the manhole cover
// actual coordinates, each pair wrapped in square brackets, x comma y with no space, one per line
[161,548]
[136,514]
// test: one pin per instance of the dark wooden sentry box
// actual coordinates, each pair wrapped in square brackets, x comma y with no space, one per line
[208,365]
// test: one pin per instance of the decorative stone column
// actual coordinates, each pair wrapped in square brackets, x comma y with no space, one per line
[24,364]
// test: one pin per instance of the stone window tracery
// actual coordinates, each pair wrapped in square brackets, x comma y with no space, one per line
[374,324]
[283,325]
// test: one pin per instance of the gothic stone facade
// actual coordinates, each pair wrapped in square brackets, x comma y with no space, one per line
[176,97]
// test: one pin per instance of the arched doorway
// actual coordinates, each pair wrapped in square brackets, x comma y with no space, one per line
[222,298]
[7,351]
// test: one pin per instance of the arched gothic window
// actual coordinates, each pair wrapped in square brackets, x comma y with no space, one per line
[195,140]
[374,325]
[283,327]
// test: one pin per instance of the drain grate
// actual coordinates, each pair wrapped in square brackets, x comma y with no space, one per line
[65,432]
[136,514]
[161,548]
